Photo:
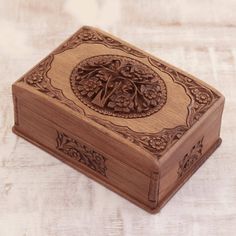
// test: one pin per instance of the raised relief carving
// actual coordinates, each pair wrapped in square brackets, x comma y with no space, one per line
[88,35]
[201,97]
[38,79]
[81,153]
[118,86]
[190,159]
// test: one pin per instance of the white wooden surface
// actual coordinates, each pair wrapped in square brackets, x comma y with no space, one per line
[40,196]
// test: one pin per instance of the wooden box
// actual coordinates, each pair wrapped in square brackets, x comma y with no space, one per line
[123,117]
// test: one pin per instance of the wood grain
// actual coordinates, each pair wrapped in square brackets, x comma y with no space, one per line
[101,91]
[36,190]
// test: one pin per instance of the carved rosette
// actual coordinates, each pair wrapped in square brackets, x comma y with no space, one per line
[81,153]
[118,86]
[38,79]
[201,97]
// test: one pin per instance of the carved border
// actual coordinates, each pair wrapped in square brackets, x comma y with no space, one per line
[39,79]
[157,144]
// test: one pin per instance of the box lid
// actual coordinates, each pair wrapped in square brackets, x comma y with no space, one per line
[128,94]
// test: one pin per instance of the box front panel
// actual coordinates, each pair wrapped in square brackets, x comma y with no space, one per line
[68,146]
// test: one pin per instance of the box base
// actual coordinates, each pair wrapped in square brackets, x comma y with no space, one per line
[178,185]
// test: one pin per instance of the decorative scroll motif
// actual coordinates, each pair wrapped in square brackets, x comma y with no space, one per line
[190,159]
[201,97]
[156,143]
[81,153]
[39,80]
[118,86]
[89,35]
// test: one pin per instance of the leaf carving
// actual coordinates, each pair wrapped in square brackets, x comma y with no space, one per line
[118,86]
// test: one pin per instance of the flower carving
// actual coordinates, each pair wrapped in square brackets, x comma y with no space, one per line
[151,94]
[201,96]
[190,159]
[118,86]
[86,35]
[79,152]
[121,102]
[34,79]
[158,143]
[89,87]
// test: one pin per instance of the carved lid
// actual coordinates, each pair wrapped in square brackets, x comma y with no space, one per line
[138,97]
[118,86]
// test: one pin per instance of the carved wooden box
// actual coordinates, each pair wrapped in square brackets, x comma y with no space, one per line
[132,122]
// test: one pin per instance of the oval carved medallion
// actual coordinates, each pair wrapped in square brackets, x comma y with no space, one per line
[118,86]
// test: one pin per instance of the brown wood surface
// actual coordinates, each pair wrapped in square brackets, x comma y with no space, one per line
[138,116]
[36,189]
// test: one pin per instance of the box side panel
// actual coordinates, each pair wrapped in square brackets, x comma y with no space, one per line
[200,143]
[68,146]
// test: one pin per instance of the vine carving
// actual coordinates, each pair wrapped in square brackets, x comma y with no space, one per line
[190,159]
[81,153]
[201,97]
[118,86]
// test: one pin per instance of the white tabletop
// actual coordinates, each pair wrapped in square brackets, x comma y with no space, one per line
[40,196]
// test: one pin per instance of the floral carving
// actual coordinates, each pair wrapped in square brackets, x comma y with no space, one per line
[121,102]
[81,153]
[201,97]
[39,80]
[89,35]
[118,86]
[89,87]
[190,159]
[158,143]
[34,79]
